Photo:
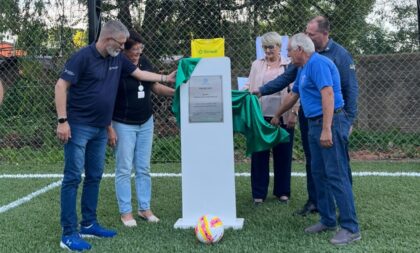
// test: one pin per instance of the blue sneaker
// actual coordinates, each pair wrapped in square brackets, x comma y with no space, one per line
[95,230]
[74,243]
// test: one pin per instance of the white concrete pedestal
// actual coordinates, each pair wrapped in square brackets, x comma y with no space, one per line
[208,179]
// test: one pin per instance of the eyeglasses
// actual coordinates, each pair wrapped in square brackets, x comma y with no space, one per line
[136,49]
[119,43]
[270,47]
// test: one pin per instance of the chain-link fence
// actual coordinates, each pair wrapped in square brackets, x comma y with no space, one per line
[37,37]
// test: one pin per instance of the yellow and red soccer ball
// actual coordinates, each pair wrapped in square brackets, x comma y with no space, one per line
[209,229]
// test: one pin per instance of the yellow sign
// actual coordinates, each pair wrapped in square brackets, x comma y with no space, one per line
[206,48]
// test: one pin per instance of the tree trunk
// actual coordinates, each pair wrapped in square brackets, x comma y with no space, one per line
[124,13]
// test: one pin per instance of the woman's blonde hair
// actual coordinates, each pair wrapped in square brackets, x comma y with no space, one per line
[271,38]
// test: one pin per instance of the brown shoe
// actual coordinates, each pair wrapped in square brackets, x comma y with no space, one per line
[344,237]
[318,228]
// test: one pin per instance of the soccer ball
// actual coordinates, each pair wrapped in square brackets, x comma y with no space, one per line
[209,229]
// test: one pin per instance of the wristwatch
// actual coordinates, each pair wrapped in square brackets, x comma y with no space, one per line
[62,120]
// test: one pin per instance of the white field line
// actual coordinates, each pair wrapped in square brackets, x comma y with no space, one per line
[51,186]
[243,174]
[28,198]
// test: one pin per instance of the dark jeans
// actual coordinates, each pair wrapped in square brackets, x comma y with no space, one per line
[85,150]
[310,186]
[303,125]
[282,161]
[330,174]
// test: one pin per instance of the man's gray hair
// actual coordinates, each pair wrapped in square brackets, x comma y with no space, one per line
[114,27]
[271,38]
[302,40]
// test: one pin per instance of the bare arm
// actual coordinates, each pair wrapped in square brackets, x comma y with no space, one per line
[63,129]
[327,95]
[289,101]
[292,117]
[163,90]
[153,77]
[61,88]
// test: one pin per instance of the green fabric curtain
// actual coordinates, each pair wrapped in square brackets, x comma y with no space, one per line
[248,120]
[246,113]
[185,69]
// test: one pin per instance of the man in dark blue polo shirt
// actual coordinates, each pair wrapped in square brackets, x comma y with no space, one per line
[318,30]
[85,96]
[318,87]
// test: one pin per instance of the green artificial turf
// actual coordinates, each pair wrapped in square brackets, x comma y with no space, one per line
[388,211]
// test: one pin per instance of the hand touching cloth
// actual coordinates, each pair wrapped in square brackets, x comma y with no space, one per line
[248,120]
[246,113]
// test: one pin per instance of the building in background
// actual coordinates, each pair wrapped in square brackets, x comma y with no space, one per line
[7,49]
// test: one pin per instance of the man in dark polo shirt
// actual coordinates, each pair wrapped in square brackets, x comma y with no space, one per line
[84,97]
[318,87]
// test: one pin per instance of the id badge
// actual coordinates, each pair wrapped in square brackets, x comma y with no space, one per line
[140,92]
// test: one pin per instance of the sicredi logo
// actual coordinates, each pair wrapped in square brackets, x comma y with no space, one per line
[68,72]
[203,51]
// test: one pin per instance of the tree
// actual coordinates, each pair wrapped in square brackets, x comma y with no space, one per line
[390,30]
[25,20]
[405,36]
[9,16]
[169,25]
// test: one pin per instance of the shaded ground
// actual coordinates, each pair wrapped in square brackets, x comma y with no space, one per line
[395,154]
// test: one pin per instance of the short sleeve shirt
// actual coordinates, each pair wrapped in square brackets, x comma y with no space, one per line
[93,85]
[317,73]
[133,105]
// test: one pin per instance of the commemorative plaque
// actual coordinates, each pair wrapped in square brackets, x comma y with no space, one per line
[205,99]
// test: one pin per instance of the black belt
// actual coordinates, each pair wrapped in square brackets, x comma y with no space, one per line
[320,116]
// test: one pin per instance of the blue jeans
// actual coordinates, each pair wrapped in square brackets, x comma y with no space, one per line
[310,186]
[282,161]
[134,149]
[84,150]
[331,174]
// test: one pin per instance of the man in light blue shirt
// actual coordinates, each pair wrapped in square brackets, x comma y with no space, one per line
[318,86]
[318,30]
